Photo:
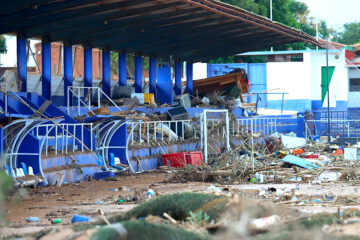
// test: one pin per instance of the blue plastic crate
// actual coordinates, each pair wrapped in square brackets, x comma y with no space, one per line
[103,175]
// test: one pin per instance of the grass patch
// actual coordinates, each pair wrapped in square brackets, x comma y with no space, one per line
[177,205]
[140,230]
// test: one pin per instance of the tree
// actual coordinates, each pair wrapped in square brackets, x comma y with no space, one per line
[351,34]
[3,48]
[289,12]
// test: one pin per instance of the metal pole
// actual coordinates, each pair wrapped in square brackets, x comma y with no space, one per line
[328,87]
[271,18]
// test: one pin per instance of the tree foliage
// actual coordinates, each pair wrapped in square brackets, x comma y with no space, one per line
[289,12]
[350,35]
[3,48]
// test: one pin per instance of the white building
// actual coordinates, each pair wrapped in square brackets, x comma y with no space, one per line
[302,76]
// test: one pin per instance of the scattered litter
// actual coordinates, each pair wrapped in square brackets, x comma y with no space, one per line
[329,176]
[79,218]
[299,162]
[292,142]
[213,189]
[150,193]
[265,222]
[56,221]
[32,219]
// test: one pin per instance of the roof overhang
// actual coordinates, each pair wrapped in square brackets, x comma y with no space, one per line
[194,30]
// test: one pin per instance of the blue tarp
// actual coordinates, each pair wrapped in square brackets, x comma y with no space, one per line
[299,162]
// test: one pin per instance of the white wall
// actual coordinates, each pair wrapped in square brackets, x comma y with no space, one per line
[339,81]
[200,71]
[302,80]
[354,97]
[9,59]
[289,77]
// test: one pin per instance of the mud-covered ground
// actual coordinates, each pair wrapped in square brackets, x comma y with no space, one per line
[86,198]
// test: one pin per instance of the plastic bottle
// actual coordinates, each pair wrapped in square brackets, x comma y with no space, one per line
[56,221]
[150,193]
[32,219]
[265,221]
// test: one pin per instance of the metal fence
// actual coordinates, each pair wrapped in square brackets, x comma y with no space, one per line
[265,125]
[171,130]
[342,128]
[86,96]
[61,137]
[342,123]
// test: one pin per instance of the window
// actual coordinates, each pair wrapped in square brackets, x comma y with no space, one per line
[354,84]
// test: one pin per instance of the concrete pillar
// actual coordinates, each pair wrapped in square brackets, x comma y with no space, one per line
[164,84]
[87,68]
[177,78]
[106,82]
[46,69]
[189,78]
[68,73]
[152,75]
[138,74]
[21,62]
[122,69]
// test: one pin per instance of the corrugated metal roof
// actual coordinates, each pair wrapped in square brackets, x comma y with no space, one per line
[184,29]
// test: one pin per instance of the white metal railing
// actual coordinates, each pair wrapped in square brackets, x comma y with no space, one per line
[64,141]
[79,93]
[264,125]
[158,130]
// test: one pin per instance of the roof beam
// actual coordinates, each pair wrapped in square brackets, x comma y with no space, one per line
[222,52]
[59,18]
[98,31]
[134,32]
[41,10]
[16,5]
[187,35]
[200,40]
[211,46]
[148,34]
[92,22]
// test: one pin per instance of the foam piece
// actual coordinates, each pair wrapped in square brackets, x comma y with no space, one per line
[21,171]
[117,160]
[31,171]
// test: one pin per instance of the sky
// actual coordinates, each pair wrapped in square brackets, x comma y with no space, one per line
[334,12]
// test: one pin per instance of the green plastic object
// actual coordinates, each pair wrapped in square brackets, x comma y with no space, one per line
[253,180]
[121,201]
[350,48]
[56,221]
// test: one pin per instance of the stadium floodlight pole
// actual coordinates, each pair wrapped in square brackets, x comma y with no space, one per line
[328,87]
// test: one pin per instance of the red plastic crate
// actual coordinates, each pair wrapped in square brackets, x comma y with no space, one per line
[181,159]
